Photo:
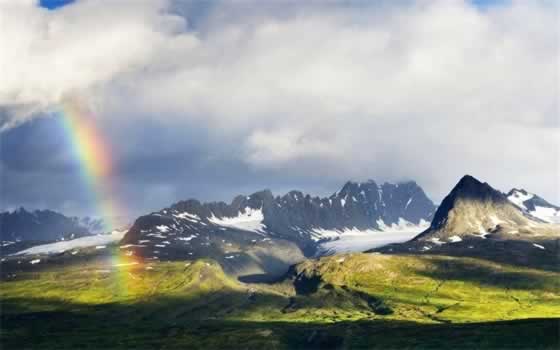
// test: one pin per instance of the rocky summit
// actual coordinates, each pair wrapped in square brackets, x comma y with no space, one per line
[475,219]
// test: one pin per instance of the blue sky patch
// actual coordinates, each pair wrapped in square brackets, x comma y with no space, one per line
[54,4]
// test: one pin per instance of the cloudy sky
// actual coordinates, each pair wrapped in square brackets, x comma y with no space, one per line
[211,99]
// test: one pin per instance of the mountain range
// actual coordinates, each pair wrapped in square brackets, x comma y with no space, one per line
[259,231]
[262,234]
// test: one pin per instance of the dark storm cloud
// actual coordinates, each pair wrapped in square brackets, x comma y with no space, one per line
[156,167]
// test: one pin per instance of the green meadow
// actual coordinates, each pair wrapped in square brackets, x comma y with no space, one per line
[343,301]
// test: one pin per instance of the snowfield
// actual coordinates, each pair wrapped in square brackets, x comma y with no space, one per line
[518,198]
[361,243]
[248,220]
[549,215]
[354,240]
[402,226]
[82,242]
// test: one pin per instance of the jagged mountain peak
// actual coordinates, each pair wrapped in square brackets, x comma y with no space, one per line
[474,208]
[471,188]
[354,188]
[534,205]
[293,195]
[468,192]
[257,200]
[517,191]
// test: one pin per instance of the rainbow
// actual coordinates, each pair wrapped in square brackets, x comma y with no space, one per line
[94,156]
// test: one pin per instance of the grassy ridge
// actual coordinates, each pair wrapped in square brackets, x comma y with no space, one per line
[358,300]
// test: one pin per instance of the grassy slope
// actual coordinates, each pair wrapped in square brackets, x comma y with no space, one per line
[433,302]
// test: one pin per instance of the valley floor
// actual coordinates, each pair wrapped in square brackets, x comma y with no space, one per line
[342,301]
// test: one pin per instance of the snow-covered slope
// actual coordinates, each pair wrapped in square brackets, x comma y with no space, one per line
[535,205]
[403,226]
[97,241]
[361,240]
[248,219]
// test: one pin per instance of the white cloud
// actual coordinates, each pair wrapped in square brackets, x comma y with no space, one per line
[48,55]
[427,91]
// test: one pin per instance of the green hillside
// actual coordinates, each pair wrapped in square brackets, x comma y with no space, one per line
[344,301]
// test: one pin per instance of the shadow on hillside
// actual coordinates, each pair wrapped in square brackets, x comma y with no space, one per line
[488,275]
[512,252]
[174,323]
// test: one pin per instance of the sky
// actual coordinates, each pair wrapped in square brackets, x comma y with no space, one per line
[217,98]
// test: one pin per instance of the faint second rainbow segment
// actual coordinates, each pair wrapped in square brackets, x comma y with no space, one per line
[93,153]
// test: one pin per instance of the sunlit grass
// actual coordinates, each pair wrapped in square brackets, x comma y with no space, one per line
[426,290]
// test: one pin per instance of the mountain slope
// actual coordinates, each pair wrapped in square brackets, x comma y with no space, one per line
[357,301]
[475,208]
[535,205]
[476,220]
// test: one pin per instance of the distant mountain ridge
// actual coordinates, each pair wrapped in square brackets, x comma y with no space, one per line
[295,217]
[44,225]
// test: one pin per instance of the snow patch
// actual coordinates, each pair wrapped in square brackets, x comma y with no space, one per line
[188,238]
[248,220]
[455,239]
[35,261]
[163,228]
[408,203]
[187,216]
[131,245]
[436,240]
[403,226]
[549,215]
[538,246]
[518,198]
[157,235]
[482,232]
[367,240]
